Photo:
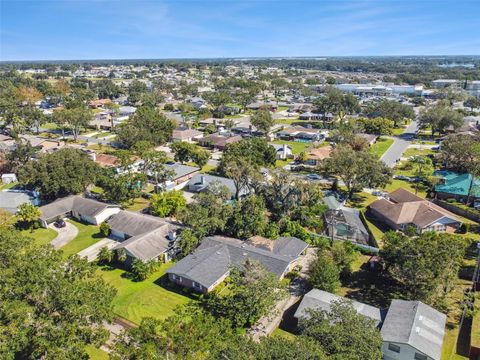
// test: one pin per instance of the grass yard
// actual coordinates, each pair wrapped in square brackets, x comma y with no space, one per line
[398,131]
[138,299]
[449,350]
[87,236]
[361,200]
[282,334]
[96,354]
[8,186]
[415,151]
[41,236]
[138,204]
[396,183]
[381,146]
[297,147]
[102,134]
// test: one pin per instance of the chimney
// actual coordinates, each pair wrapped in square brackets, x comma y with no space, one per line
[284,148]
[202,180]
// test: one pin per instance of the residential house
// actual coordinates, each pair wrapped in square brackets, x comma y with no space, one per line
[87,210]
[105,160]
[187,135]
[100,103]
[201,182]
[316,156]
[300,133]
[11,200]
[412,330]
[219,142]
[456,186]
[369,138]
[321,300]
[142,236]
[211,262]
[198,103]
[181,174]
[283,151]
[405,209]
[345,224]
[310,116]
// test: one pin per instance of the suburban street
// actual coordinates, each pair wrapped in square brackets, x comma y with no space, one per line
[400,144]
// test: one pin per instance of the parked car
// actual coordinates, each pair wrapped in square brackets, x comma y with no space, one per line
[401,177]
[314,177]
[60,223]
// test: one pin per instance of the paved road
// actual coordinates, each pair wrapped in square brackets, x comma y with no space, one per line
[400,144]
[91,252]
[65,234]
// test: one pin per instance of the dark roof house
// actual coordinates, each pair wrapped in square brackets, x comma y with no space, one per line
[88,210]
[317,299]
[210,263]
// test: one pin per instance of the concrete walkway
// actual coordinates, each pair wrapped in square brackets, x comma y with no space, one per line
[92,251]
[65,234]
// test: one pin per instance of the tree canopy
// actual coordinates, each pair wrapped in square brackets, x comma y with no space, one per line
[147,124]
[64,172]
[357,169]
[425,265]
[49,308]
[343,333]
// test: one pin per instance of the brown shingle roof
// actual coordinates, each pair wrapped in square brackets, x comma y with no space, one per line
[407,208]
[321,153]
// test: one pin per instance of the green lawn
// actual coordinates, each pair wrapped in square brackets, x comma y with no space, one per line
[381,146]
[102,134]
[283,334]
[297,147]
[138,299]
[415,151]
[398,131]
[96,354]
[396,183]
[87,236]
[7,186]
[138,204]
[41,236]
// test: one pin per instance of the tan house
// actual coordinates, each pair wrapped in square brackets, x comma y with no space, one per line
[407,209]
[317,155]
[187,135]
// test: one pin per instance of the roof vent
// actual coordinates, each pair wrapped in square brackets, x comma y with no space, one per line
[417,330]
[245,254]
[420,318]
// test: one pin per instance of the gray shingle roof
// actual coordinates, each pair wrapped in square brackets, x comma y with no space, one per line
[200,182]
[81,205]
[289,246]
[416,324]
[216,254]
[148,245]
[181,170]
[10,201]
[321,300]
[133,223]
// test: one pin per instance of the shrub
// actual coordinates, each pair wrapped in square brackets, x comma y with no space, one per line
[105,229]
[465,228]
[105,256]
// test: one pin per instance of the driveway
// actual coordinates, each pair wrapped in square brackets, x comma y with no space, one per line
[65,234]
[400,144]
[91,252]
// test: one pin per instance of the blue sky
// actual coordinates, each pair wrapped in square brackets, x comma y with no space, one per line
[98,29]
